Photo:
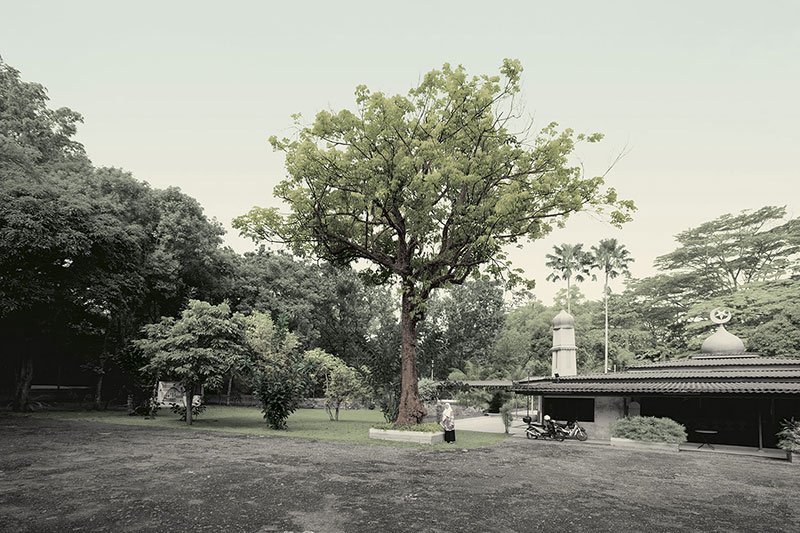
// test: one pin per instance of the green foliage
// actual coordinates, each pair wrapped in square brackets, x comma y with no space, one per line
[766,315]
[506,415]
[282,375]
[569,262]
[389,401]
[429,427]
[427,188]
[734,250]
[648,428]
[789,436]
[462,323]
[477,398]
[279,388]
[341,382]
[196,349]
[180,410]
[428,390]
[498,399]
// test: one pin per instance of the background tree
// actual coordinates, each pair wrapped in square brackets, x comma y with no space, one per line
[569,261]
[733,250]
[195,349]
[426,188]
[765,315]
[612,259]
[462,323]
[341,383]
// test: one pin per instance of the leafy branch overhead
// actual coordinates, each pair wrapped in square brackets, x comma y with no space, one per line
[428,186]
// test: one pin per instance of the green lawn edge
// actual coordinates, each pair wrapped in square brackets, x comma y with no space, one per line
[310,424]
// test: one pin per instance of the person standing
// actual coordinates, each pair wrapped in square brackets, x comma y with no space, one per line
[449,423]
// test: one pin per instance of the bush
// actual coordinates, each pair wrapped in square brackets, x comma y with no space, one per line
[789,436]
[428,427]
[428,390]
[497,401]
[648,428]
[473,398]
[280,387]
[181,410]
[388,399]
[505,414]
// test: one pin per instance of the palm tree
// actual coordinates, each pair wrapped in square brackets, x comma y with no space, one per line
[569,261]
[611,258]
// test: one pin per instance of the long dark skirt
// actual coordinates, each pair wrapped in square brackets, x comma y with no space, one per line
[450,436]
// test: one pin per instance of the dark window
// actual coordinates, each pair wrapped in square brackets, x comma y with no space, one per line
[569,409]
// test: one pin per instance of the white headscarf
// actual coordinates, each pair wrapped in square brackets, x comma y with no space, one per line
[448,412]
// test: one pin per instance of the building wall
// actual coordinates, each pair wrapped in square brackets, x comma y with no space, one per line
[607,410]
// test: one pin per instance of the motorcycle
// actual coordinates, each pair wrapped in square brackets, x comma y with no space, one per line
[542,432]
[574,430]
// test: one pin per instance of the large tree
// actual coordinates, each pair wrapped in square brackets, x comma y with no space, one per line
[427,188]
[734,250]
[612,259]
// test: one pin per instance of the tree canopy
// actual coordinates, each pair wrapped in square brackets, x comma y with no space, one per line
[427,188]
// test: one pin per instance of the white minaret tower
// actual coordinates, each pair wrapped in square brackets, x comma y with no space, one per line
[565,362]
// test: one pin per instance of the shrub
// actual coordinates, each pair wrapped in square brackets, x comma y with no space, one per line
[180,410]
[497,401]
[279,386]
[473,398]
[388,399]
[428,427]
[648,428]
[428,390]
[505,415]
[789,436]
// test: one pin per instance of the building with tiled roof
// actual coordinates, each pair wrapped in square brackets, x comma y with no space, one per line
[731,396]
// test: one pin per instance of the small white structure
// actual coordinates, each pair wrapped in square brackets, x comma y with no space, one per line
[172,392]
[565,360]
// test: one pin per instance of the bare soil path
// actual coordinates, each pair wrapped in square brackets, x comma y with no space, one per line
[78,476]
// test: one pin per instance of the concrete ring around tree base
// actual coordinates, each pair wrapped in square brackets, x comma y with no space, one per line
[419,437]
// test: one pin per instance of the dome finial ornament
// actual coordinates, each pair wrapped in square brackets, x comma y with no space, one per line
[720,316]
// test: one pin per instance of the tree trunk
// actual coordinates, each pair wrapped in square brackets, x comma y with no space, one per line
[337,410]
[230,383]
[24,379]
[411,410]
[154,397]
[98,393]
[328,410]
[569,294]
[605,301]
[189,392]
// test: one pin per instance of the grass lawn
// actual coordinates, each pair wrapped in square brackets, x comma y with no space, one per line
[352,426]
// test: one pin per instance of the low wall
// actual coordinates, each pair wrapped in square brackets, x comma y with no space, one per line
[248,400]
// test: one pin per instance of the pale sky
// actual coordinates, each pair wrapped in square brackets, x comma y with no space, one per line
[703,94]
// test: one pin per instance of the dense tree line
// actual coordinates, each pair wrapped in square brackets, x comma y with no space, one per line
[101,273]
[89,256]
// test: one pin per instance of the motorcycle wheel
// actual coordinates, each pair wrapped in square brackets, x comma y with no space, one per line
[530,435]
[559,437]
[581,435]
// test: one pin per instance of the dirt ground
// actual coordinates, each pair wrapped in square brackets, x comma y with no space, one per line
[79,476]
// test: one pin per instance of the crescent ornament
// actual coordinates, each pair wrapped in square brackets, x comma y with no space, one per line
[720,316]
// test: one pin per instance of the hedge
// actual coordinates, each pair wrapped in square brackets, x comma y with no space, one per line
[648,428]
